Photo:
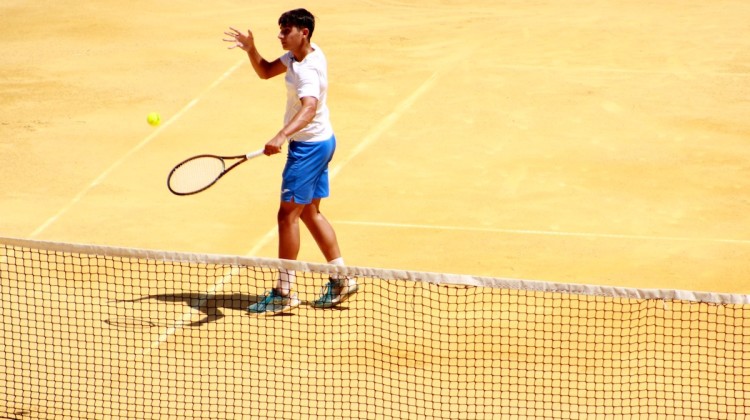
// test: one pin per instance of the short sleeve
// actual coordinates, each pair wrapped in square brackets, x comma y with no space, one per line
[286,59]
[308,82]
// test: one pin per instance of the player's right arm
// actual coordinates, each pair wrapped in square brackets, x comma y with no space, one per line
[263,68]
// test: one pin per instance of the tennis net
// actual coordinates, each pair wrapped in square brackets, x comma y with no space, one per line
[94,332]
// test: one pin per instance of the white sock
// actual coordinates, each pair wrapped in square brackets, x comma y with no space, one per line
[286,281]
[340,262]
[337,261]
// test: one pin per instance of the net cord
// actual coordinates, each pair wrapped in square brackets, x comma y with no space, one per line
[383,273]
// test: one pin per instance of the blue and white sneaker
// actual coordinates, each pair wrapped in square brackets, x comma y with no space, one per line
[273,303]
[335,292]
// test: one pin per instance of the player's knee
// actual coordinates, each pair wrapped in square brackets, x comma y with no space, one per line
[311,215]
[287,216]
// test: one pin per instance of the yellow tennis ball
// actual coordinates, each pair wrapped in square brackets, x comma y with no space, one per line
[154,118]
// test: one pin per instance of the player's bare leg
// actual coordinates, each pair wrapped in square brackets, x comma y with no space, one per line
[339,288]
[280,298]
[321,230]
[289,241]
[288,221]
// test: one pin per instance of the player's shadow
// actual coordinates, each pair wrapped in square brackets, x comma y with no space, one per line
[211,306]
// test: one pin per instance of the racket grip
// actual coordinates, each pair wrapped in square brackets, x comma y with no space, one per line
[254,154]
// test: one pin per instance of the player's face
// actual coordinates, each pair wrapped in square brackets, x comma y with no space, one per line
[292,38]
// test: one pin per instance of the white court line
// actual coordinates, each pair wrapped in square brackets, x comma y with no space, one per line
[374,133]
[543,232]
[78,197]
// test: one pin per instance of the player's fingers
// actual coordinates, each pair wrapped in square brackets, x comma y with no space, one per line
[271,149]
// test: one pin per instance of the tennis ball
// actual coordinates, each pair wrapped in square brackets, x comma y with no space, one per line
[154,118]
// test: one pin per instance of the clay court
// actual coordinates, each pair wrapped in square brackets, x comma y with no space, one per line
[590,142]
[595,142]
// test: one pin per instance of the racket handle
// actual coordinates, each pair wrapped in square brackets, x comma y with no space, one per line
[254,154]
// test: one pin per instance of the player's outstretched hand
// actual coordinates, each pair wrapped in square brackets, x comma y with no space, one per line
[240,40]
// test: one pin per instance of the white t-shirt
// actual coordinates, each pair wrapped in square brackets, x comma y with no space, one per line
[308,78]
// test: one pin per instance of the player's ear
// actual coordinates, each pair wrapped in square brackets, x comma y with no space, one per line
[306,32]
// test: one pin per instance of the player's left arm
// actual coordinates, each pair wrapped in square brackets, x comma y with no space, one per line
[304,116]
[263,68]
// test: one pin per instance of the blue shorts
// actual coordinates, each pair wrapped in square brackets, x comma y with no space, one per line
[305,175]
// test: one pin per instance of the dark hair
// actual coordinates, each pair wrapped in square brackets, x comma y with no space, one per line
[299,18]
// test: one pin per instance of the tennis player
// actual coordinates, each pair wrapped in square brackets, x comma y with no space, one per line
[307,128]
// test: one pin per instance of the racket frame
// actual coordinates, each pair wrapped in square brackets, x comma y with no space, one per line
[224,160]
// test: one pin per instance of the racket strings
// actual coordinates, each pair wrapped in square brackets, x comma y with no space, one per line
[196,174]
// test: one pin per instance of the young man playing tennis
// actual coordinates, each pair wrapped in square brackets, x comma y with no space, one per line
[308,130]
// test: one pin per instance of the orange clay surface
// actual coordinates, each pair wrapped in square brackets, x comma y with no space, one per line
[596,142]
[587,142]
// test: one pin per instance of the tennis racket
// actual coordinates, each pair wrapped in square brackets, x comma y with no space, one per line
[199,172]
